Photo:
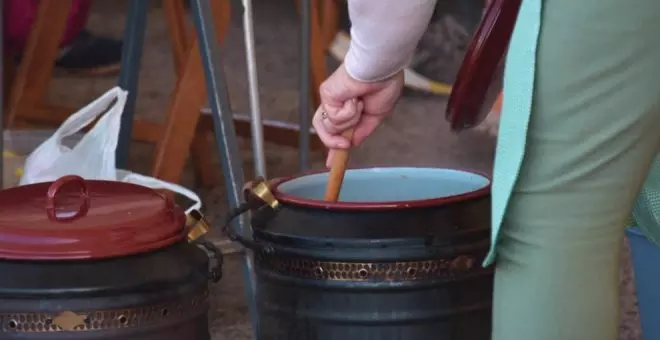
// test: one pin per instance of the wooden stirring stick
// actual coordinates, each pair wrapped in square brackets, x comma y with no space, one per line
[337,171]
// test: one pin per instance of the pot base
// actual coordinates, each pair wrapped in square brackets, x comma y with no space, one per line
[161,295]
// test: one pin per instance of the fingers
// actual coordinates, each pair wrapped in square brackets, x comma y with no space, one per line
[331,122]
[348,117]
[338,121]
[328,160]
[367,125]
[329,134]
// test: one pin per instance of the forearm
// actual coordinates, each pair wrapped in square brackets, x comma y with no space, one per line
[384,34]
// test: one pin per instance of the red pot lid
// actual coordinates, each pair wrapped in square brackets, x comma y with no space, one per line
[473,92]
[75,219]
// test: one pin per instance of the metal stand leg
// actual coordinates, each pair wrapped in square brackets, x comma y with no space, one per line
[2,98]
[224,131]
[305,59]
[255,110]
[136,25]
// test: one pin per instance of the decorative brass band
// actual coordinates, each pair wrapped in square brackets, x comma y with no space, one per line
[99,320]
[260,189]
[309,268]
[197,225]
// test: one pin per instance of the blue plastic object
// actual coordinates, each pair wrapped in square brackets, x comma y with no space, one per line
[646,267]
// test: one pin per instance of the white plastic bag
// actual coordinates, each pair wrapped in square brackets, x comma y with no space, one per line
[94,156]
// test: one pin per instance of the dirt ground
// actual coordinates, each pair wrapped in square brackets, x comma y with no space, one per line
[415,135]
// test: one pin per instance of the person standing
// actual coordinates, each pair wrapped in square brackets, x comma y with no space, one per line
[577,138]
[81,52]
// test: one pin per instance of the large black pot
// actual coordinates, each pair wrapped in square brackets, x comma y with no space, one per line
[121,267]
[398,257]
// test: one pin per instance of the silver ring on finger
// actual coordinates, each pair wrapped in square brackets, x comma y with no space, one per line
[329,126]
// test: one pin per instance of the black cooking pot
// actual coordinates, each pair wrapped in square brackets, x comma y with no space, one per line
[101,260]
[398,257]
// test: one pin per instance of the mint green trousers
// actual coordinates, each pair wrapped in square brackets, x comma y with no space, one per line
[591,133]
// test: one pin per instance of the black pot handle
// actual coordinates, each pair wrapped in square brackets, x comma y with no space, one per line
[264,206]
[216,260]
[258,199]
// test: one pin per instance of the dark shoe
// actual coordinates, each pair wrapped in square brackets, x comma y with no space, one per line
[91,55]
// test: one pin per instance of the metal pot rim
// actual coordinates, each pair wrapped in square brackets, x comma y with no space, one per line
[376,206]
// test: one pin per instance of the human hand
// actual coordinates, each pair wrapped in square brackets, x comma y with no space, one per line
[347,103]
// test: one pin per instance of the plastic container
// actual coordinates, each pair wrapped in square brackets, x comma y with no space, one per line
[646,268]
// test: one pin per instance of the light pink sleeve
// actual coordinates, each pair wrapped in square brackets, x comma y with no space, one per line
[384,35]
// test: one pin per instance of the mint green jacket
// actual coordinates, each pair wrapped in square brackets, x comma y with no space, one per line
[518,92]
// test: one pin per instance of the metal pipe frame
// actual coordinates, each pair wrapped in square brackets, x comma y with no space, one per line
[225,135]
[2,99]
[305,83]
[253,83]
[136,26]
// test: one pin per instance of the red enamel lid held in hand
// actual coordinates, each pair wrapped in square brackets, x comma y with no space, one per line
[475,91]
[77,219]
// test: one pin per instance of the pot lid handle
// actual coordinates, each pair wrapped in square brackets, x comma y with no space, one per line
[54,189]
